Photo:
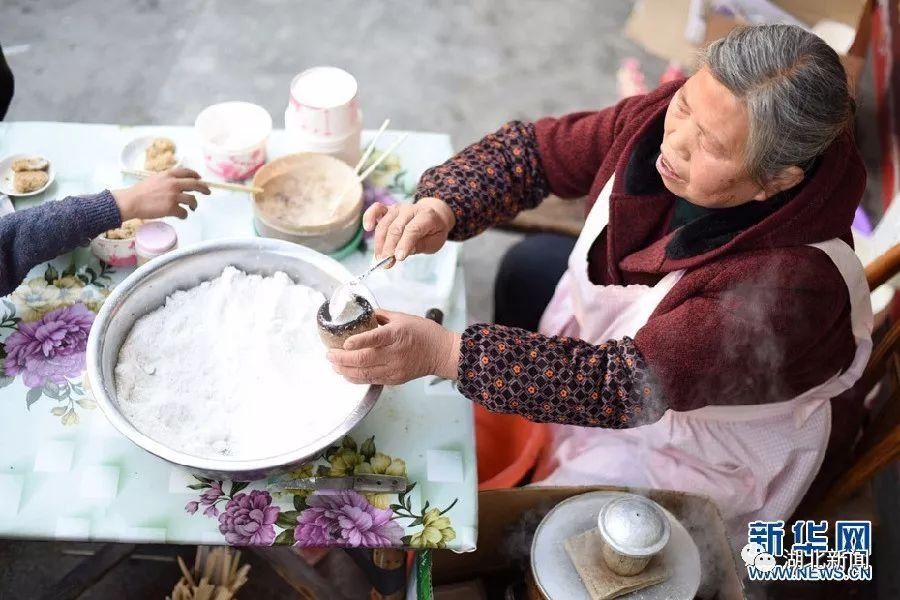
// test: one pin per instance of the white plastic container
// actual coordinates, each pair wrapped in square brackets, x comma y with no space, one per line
[233,137]
[344,148]
[324,102]
[323,114]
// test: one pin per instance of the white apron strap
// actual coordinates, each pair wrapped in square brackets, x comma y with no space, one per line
[597,220]
[861,320]
[851,269]
[597,313]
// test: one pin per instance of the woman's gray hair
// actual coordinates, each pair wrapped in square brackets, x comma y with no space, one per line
[795,90]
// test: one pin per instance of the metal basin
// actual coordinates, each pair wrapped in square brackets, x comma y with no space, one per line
[146,289]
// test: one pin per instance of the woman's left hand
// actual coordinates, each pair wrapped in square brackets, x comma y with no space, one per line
[401,349]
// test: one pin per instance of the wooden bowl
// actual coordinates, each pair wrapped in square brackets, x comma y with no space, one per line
[333,335]
[310,199]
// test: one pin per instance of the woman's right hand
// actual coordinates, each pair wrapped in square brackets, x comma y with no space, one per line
[161,195]
[406,229]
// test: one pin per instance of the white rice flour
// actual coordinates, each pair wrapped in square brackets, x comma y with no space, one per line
[233,368]
[343,307]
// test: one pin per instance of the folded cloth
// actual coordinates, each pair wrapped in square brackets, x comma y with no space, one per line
[586,552]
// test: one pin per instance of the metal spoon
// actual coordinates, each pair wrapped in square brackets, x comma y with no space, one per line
[373,268]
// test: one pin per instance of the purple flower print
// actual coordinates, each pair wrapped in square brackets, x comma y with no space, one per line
[209,498]
[373,194]
[211,494]
[249,519]
[345,519]
[51,348]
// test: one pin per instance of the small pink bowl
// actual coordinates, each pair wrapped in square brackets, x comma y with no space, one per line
[116,253]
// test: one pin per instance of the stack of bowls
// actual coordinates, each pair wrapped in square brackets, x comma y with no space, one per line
[323,115]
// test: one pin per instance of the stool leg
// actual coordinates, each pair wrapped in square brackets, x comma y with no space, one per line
[393,561]
[385,569]
[88,572]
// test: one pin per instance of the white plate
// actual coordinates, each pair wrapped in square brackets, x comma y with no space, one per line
[557,577]
[134,153]
[6,176]
[6,206]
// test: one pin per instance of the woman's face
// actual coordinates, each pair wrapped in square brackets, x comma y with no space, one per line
[703,144]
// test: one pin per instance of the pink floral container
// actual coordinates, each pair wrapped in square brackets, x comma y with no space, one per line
[115,253]
[233,137]
[323,103]
[344,148]
[323,115]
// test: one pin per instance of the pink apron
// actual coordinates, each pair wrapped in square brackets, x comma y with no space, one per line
[755,462]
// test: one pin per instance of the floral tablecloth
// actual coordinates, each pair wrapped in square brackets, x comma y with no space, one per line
[65,473]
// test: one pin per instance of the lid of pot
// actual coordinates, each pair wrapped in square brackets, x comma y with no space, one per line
[634,526]
[155,237]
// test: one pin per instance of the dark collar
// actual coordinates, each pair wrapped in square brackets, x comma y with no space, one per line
[707,231]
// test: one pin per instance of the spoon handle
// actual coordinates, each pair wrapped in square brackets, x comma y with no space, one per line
[378,265]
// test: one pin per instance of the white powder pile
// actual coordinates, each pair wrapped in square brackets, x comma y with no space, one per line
[233,367]
[343,307]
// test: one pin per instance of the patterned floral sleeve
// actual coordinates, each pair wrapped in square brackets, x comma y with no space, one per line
[558,380]
[489,182]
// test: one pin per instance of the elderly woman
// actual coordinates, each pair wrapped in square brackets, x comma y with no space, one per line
[711,308]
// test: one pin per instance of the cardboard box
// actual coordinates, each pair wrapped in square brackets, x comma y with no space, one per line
[659,26]
[505,517]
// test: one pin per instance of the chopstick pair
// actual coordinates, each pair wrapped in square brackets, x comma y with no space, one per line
[234,187]
[361,177]
[371,147]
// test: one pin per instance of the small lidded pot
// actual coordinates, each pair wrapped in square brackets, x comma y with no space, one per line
[154,239]
[634,529]
[358,316]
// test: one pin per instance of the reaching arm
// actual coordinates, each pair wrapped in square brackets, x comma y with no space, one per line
[34,235]
[516,167]
[31,236]
[490,181]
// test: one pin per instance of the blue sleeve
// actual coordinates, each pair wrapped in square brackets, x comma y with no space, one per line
[34,235]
